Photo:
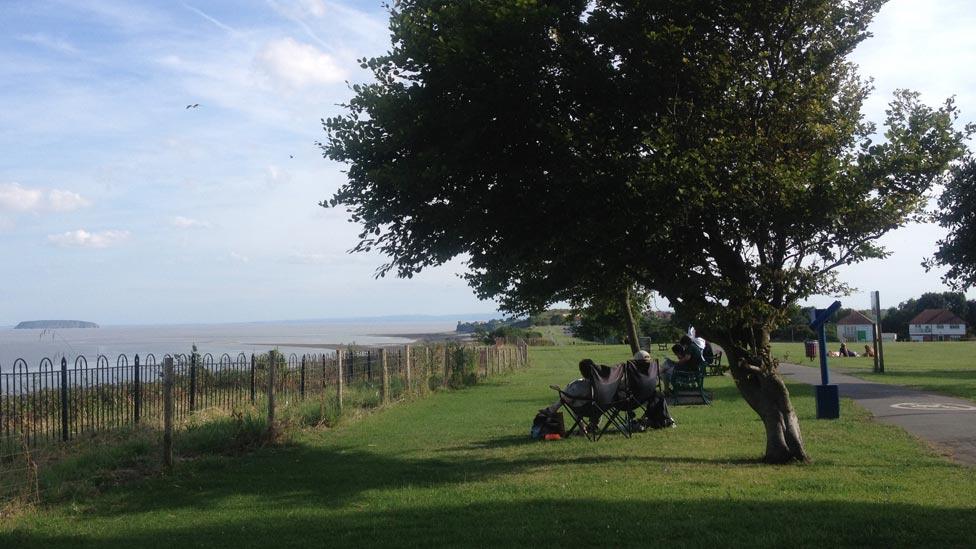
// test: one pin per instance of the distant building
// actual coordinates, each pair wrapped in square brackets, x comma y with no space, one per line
[855,327]
[936,325]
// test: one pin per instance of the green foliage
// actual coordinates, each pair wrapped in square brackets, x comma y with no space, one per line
[957,213]
[755,149]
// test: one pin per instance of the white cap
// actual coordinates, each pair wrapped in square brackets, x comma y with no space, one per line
[642,355]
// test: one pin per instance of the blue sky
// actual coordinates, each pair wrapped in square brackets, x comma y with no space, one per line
[119,205]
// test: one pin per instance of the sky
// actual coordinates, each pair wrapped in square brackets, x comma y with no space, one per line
[120,205]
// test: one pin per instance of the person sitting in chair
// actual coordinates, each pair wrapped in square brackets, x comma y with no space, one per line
[688,353]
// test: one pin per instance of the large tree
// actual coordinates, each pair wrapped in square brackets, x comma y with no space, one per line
[711,151]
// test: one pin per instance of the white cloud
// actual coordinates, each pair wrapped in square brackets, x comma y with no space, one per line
[181,222]
[307,258]
[276,176]
[17,198]
[84,239]
[14,197]
[291,65]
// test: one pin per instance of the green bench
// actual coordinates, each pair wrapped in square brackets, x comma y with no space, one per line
[689,381]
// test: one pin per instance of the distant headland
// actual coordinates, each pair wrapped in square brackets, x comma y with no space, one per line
[53,324]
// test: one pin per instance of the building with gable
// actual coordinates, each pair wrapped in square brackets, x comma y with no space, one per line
[855,327]
[936,325]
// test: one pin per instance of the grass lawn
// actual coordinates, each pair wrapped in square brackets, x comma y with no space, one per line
[947,367]
[458,469]
[559,335]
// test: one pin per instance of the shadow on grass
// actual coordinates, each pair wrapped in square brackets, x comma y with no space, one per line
[641,522]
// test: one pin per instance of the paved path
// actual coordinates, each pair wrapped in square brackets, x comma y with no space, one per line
[946,422]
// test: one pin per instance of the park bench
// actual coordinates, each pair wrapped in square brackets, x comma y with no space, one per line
[688,382]
[715,367]
[663,347]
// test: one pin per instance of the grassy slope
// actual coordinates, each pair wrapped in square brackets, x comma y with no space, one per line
[946,367]
[459,470]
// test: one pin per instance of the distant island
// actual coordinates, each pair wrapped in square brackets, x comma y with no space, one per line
[53,324]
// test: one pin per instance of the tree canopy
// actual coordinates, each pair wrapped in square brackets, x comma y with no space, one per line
[711,151]
[957,213]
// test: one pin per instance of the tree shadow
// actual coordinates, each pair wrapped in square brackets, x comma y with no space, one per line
[639,521]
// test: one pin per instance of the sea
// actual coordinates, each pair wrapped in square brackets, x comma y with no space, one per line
[255,337]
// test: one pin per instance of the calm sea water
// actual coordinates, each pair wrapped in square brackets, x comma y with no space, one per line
[288,337]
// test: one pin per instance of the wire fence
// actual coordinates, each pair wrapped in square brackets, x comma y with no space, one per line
[54,404]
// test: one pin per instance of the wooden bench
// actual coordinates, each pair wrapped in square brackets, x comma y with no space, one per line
[663,347]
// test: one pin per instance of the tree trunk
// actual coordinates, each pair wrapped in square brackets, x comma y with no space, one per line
[763,389]
[629,319]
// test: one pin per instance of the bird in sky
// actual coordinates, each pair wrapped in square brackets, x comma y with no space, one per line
[193,106]
[291,156]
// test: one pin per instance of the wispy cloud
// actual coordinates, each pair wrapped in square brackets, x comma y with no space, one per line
[83,239]
[240,258]
[276,176]
[213,20]
[181,222]
[50,42]
[15,197]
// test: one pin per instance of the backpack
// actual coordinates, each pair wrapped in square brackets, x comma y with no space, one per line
[547,422]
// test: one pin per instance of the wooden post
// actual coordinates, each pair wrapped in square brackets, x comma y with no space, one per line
[272,363]
[406,352]
[384,377]
[168,412]
[339,380]
[447,365]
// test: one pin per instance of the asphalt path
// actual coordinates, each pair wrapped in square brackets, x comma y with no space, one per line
[947,423]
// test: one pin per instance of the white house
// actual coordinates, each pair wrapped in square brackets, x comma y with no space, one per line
[855,327]
[936,325]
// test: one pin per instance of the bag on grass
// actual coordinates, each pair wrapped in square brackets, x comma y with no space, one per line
[547,422]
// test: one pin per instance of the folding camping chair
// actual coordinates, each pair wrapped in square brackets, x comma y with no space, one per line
[601,405]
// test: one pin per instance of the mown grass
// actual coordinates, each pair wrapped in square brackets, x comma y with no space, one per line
[559,335]
[947,367]
[458,469]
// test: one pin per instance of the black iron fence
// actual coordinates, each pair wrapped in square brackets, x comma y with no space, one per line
[60,401]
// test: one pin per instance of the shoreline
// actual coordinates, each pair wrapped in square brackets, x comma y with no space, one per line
[415,338]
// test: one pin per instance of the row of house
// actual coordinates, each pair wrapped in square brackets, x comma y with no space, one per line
[929,325]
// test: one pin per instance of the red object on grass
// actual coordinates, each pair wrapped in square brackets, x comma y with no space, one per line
[553,436]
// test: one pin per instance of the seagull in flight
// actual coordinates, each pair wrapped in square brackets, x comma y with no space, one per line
[193,106]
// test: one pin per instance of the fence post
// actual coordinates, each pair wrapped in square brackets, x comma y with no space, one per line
[447,365]
[168,412]
[407,365]
[193,381]
[301,386]
[64,399]
[137,393]
[272,363]
[253,367]
[384,377]
[339,380]
[483,357]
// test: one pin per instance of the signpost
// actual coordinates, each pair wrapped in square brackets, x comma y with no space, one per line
[828,400]
[879,334]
